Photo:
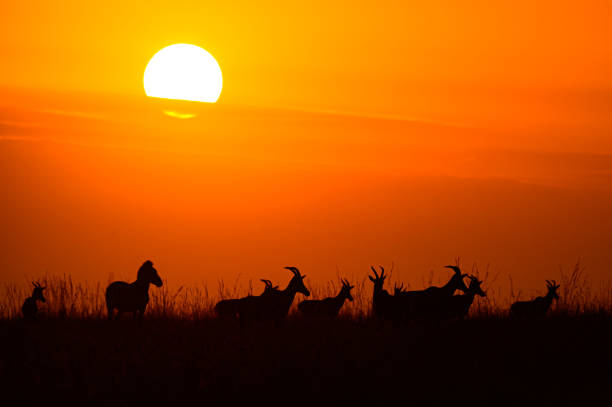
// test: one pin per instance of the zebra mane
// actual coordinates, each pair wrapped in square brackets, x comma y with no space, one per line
[146,266]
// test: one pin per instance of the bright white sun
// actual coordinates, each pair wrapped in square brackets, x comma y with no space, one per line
[183,71]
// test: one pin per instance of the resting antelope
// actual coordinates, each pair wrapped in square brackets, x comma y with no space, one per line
[132,297]
[327,307]
[538,307]
[382,301]
[458,306]
[423,303]
[29,308]
[230,308]
[275,305]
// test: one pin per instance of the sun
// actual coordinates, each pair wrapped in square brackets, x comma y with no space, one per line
[183,71]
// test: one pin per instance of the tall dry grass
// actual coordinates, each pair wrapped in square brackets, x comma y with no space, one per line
[67,299]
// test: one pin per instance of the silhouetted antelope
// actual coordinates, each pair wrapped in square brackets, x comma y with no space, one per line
[230,308]
[29,308]
[275,305]
[458,306]
[382,301]
[327,307]
[132,297]
[424,303]
[538,307]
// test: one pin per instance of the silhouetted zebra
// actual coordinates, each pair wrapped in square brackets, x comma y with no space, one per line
[132,297]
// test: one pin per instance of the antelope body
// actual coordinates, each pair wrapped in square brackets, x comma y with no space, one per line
[430,301]
[538,307]
[458,306]
[382,302]
[327,307]
[29,308]
[230,308]
[275,305]
[132,297]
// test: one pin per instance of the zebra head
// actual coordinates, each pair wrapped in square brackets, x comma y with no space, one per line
[148,274]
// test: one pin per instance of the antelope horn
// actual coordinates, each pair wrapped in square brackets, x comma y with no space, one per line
[294,270]
[454,268]
[382,271]
[374,270]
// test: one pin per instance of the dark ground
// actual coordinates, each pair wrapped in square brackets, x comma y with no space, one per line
[553,361]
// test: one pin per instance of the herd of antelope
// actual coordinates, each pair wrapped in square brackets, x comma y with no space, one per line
[273,304]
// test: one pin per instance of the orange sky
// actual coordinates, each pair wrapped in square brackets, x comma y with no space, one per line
[346,135]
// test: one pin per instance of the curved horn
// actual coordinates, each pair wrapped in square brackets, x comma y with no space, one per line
[374,270]
[382,271]
[454,268]
[294,270]
[268,283]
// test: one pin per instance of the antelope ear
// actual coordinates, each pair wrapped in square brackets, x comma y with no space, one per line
[371,279]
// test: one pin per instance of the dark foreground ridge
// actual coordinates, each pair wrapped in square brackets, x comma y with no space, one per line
[547,361]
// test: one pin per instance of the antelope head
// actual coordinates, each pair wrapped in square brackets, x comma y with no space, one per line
[378,280]
[552,289]
[457,279]
[269,287]
[474,287]
[346,290]
[297,282]
[398,289]
[37,294]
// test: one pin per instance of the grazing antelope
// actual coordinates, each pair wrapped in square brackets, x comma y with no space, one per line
[132,297]
[327,307]
[275,305]
[230,308]
[458,306]
[29,308]
[422,303]
[382,301]
[538,307]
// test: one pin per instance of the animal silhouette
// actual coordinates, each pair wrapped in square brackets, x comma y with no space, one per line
[29,309]
[230,308]
[538,307]
[382,301]
[425,303]
[458,306]
[327,307]
[132,297]
[275,305]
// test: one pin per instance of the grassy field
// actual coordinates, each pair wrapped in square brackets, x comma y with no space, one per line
[163,361]
[181,354]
